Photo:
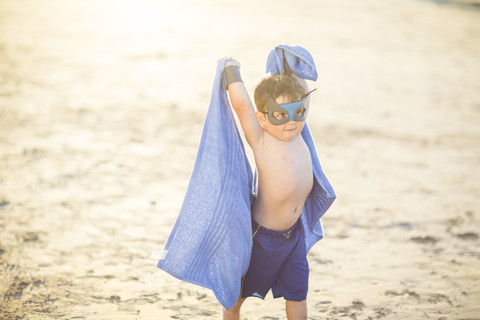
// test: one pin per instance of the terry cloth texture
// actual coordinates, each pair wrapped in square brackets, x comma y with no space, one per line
[211,241]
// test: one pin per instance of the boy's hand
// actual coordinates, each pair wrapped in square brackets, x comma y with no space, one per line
[232,72]
[232,62]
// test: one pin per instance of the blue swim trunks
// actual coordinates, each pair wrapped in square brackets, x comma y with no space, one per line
[278,262]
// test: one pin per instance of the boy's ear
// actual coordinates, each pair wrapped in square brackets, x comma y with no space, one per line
[262,118]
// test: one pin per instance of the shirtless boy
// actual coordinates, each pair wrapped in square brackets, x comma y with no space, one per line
[285,180]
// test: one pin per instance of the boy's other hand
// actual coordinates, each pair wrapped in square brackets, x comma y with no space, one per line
[231,62]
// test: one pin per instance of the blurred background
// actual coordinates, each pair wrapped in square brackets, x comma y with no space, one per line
[101,110]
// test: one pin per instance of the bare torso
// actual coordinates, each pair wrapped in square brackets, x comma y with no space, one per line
[283,160]
[285,179]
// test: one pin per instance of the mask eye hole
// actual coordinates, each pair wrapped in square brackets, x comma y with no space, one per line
[280,115]
[300,111]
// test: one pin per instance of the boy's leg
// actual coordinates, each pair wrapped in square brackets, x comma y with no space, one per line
[234,312]
[296,310]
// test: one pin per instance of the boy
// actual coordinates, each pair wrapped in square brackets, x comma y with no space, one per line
[285,180]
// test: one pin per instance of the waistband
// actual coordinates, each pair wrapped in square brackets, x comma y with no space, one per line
[257,228]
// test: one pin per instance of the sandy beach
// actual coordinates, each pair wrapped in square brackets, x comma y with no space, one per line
[102,104]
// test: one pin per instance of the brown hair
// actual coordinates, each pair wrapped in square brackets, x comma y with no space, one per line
[276,85]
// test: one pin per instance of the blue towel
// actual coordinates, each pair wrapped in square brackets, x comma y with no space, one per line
[301,62]
[298,58]
[210,244]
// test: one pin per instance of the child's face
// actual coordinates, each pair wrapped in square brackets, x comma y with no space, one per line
[280,113]
[287,131]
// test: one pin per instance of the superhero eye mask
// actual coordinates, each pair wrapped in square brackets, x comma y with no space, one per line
[282,113]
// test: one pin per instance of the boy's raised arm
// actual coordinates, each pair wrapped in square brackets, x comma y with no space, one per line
[242,104]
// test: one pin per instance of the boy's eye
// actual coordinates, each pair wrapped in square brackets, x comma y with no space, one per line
[300,112]
[280,115]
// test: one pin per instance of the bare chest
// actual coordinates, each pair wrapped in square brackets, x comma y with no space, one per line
[285,170]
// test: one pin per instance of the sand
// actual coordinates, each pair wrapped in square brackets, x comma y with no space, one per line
[101,109]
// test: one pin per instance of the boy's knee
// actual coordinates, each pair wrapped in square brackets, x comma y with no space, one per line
[296,310]
[231,314]
[234,312]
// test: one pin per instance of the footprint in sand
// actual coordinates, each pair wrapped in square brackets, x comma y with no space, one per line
[468,236]
[424,240]
[4,203]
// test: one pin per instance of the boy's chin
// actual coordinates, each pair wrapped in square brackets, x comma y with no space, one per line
[288,137]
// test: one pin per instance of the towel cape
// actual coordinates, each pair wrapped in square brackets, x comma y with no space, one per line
[211,241]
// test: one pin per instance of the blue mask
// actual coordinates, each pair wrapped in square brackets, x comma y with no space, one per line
[282,113]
